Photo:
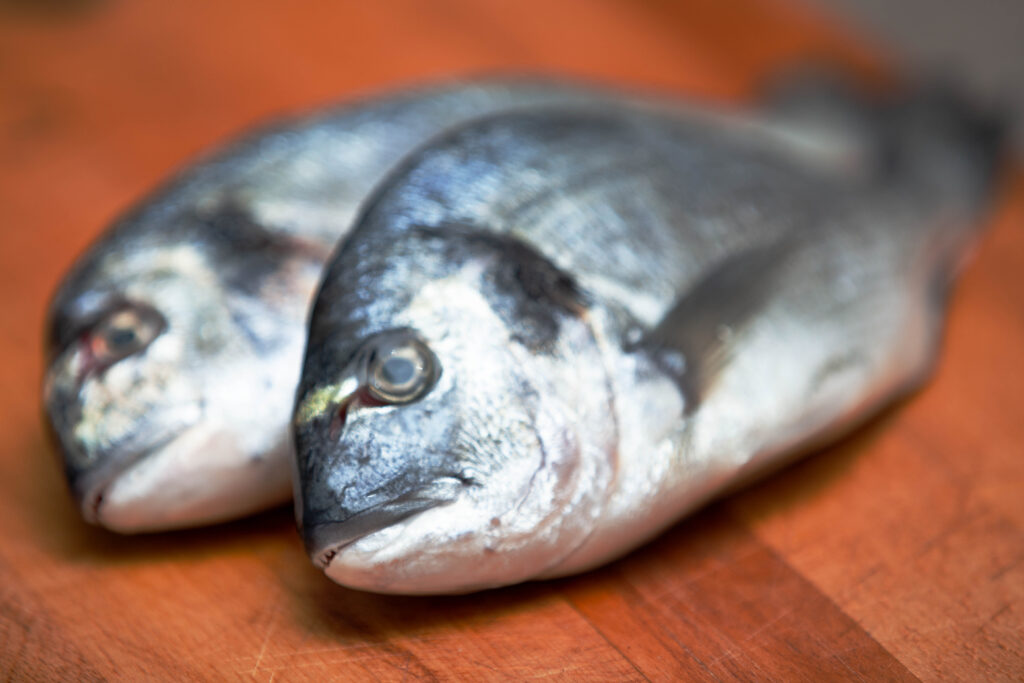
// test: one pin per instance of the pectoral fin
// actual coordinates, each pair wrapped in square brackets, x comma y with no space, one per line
[694,341]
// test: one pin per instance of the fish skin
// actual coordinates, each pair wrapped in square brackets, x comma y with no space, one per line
[629,312]
[192,426]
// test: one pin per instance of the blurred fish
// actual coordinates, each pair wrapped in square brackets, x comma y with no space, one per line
[554,332]
[176,340]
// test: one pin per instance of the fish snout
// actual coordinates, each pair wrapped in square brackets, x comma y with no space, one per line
[91,469]
[102,434]
[324,534]
[325,538]
[62,410]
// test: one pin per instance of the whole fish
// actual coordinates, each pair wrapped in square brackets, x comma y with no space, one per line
[176,340]
[554,332]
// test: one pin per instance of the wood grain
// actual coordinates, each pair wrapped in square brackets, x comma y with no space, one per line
[897,554]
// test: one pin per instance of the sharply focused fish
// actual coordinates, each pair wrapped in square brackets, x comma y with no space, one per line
[552,333]
[176,340]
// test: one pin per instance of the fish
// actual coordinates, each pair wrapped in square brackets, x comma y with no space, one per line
[174,343]
[554,332]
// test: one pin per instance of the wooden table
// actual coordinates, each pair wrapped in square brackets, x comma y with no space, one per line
[894,555]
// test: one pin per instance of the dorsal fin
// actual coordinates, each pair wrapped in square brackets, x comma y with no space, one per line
[693,342]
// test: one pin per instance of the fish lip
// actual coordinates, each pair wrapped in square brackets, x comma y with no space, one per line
[325,544]
[323,540]
[91,498]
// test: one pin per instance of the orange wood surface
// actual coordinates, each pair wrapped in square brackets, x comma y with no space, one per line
[897,554]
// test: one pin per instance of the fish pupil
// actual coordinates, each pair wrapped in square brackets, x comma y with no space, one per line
[122,337]
[398,371]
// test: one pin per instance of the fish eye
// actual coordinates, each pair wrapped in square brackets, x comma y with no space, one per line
[401,372]
[124,332]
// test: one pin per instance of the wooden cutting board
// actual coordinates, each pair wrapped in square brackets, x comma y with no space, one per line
[896,554]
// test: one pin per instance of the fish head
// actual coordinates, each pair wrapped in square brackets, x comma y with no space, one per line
[452,422]
[156,356]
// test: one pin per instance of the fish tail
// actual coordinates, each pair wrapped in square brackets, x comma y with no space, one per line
[944,144]
[931,139]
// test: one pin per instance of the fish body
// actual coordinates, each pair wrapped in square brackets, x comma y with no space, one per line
[554,332]
[176,339]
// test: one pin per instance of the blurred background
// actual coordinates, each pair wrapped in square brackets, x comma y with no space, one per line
[978,44]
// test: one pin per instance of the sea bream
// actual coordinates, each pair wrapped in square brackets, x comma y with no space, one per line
[176,340]
[552,333]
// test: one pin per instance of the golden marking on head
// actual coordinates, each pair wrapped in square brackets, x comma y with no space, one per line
[323,398]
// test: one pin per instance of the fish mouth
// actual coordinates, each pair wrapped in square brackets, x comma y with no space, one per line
[324,540]
[93,491]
